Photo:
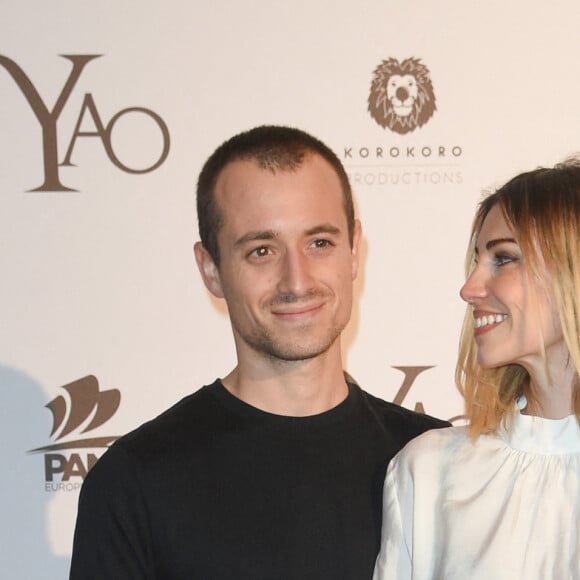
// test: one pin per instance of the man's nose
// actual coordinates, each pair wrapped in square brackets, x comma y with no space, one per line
[295,273]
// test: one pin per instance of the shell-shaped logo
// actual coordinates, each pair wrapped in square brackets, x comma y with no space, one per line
[84,408]
[401,97]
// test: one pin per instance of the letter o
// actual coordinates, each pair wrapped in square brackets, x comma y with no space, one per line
[160,123]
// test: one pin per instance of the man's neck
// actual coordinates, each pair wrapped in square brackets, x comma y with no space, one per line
[290,388]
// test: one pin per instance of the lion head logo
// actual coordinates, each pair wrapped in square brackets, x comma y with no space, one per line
[402,96]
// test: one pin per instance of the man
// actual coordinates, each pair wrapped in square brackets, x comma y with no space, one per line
[275,471]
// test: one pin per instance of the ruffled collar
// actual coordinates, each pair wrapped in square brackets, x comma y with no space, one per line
[542,436]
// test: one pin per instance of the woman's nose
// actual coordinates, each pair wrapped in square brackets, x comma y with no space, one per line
[474,288]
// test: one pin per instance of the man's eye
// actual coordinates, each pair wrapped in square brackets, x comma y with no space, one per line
[259,252]
[322,243]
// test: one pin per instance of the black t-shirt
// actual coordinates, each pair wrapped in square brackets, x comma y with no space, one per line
[215,489]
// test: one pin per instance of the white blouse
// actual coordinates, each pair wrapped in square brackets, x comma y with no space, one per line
[504,507]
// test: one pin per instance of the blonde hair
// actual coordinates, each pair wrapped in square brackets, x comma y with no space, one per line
[542,208]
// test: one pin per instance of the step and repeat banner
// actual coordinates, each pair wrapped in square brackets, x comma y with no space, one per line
[109,109]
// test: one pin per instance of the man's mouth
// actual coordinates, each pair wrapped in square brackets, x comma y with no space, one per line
[297,312]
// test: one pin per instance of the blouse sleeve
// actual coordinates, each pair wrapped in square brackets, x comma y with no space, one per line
[394,561]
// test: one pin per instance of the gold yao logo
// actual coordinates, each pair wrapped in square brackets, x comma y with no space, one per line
[401,97]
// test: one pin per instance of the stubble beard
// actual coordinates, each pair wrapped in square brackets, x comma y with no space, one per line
[300,343]
[278,349]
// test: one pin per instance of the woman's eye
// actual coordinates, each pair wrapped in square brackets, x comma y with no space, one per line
[502,259]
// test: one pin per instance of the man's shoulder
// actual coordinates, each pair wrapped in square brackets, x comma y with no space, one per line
[401,423]
[174,427]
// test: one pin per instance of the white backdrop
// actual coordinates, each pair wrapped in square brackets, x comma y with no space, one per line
[101,281]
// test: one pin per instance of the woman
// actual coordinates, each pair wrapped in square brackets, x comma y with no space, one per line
[501,498]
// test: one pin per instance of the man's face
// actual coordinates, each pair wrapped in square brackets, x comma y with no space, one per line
[286,264]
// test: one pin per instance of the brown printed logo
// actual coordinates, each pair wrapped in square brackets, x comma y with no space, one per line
[401,97]
[48,122]
[82,408]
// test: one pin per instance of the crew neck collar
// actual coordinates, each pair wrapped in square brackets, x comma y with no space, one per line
[243,408]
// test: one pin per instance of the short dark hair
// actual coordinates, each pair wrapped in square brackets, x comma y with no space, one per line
[275,148]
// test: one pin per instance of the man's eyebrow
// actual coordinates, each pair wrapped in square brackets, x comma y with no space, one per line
[496,242]
[257,235]
[254,236]
[323,229]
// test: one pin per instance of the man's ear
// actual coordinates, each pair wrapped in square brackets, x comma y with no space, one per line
[208,270]
[356,240]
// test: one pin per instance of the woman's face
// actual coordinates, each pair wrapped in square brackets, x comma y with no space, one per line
[511,314]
